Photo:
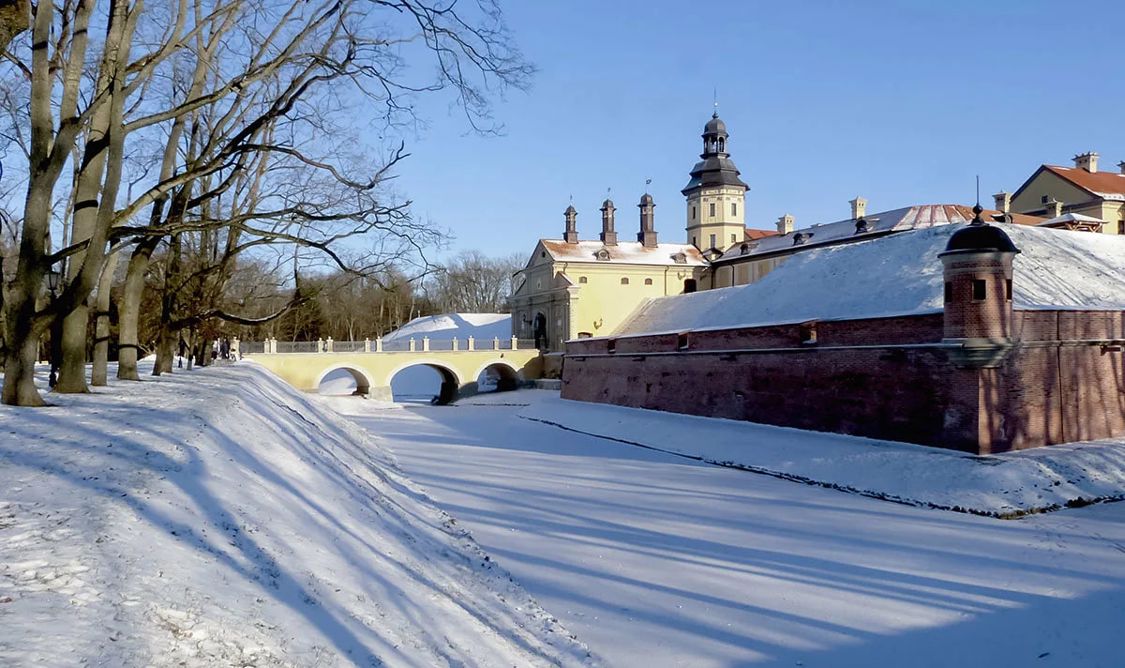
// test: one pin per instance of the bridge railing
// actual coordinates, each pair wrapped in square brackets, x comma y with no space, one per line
[379,345]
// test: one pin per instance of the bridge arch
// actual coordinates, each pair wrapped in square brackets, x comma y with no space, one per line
[450,380]
[508,376]
[362,380]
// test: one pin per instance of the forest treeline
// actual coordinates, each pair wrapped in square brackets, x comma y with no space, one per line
[180,170]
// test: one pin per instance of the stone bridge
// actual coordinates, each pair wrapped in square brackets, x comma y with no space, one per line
[459,362]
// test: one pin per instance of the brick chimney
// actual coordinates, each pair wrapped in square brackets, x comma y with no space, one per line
[859,208]
[1087,161]
[571,233]
[609,235]
[1003,202]
[1053,208]
[647,233]
[786,223]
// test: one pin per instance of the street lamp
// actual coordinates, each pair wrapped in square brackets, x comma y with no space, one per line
[53,278]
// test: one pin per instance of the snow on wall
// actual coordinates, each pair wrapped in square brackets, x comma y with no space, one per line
[897,275]
[455,325]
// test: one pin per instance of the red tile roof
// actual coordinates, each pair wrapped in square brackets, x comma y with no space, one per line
[753,234]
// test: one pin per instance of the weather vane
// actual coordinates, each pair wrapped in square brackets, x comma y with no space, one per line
[648,182]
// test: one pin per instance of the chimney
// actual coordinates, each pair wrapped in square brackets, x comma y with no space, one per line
[1121,166]
[859,208]
[609,236]
[1053,209]
[571,233]
[786,223]
[1087,161]
[647,235]
[1003,201]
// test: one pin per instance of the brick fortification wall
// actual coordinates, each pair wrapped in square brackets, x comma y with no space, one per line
[889,378]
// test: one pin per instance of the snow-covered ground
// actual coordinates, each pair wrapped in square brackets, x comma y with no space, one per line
[657,560]
[218,518]
[1037,480]
[481,326]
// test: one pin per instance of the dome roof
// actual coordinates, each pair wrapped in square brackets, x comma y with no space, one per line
[571,209]
[715,126]
[608,204]
[980,238]
[646,199]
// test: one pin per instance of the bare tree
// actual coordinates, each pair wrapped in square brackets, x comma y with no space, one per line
[472,282]
[90,100]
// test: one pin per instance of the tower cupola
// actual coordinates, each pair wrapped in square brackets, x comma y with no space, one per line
[716,195]
[609,235]
[571,234]
[977,263]
[647,233]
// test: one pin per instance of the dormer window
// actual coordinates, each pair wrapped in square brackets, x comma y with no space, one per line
[801,238]
[679,258]
[602,255]
[862,226]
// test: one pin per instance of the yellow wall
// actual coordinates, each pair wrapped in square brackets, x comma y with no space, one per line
[727,226]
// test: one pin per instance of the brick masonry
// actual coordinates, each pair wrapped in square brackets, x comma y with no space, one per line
[1062,380]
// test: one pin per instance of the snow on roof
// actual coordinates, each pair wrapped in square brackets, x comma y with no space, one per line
[625,252]
[896,220]
[1071,218]
[896,275]
[455,325]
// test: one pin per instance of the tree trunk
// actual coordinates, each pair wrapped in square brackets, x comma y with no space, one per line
[129,310]
[72,371]
[99,372]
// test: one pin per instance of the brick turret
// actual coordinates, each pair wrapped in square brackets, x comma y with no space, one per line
[978,292]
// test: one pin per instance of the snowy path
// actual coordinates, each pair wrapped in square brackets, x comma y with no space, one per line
[654,560]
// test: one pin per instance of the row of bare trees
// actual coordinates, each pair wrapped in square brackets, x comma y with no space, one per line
[198,151]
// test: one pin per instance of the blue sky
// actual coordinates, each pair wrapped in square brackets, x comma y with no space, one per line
[900,102]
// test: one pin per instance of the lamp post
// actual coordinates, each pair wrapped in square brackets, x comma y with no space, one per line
[53,278]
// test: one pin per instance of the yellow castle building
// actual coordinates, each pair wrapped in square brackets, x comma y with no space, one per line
[573,288]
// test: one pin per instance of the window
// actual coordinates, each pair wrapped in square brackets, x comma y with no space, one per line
[602,255]
[624,281]
[682,342]
[680,258]
[611,346]
[733,238]
[979,289]
[1121,226]
[948,291]
[712,238]
[712,209]
[1045,198]
[1008,289]
[582,280]
[734,208]
[693,212]
[648,281]
[694,242]
[689,285]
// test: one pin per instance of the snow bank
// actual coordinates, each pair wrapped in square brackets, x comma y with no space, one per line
[1035,480]
[219,518]
[897,275]
[480,326]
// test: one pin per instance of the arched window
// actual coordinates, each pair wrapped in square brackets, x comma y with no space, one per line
[582,279]
[624,281]
[734,208]
[712,209]
[648,281]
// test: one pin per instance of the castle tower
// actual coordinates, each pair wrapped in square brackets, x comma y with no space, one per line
[977,264]
[716,196]
[609,235]
[647,234]
[571,234]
